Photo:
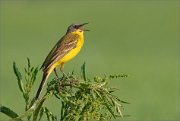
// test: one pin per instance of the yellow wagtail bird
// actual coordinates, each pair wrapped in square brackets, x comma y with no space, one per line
[64,50]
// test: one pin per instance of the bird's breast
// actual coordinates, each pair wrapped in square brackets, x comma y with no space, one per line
[71,54]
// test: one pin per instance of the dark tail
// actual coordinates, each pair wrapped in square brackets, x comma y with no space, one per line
[44,78]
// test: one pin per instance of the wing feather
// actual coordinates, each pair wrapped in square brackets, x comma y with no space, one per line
[62,47]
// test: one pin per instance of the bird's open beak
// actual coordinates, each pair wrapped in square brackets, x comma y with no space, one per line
[81,26]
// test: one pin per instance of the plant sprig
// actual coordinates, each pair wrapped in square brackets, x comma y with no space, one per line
[81,98]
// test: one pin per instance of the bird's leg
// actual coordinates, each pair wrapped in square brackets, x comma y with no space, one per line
[59,80]
[64,75]
[56,73]
[61,69]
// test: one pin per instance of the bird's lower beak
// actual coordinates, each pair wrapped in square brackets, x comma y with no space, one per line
[86,30]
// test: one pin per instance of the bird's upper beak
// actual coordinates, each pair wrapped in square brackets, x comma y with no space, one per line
[83,24]
[81,27]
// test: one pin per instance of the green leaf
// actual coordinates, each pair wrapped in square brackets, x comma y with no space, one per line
[38,104]
[110,110]
[119,111]
[25,70]
[38,108]
[16,71]
[19,77]
[62,110]
[29,64]
[8,112]
[98,94]
[32,68]
[34,74]
[93,95]
[49,115]
[120,100]
[41,113]
[83,69]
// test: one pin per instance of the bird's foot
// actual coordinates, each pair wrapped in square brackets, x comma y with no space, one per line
[73,82]
[59,85]
[65,75]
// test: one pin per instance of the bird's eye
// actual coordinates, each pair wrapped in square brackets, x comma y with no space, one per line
[75,26]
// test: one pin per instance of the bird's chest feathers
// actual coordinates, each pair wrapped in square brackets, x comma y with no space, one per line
[78,46]
[71,54]
[80,42]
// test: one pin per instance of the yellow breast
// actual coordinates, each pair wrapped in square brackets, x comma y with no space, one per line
[74,51]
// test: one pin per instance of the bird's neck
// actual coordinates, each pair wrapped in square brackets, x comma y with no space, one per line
[80,33]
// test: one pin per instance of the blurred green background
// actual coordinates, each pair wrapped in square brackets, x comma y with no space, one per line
[139,38]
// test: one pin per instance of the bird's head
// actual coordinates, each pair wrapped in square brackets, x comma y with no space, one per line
[76,27]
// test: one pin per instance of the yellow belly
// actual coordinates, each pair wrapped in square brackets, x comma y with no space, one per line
[70,55]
